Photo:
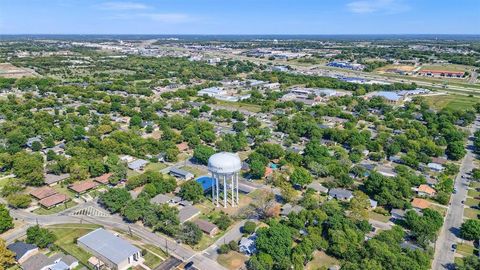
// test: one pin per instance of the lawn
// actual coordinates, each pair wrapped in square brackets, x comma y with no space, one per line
[451,101]
[195,170]
[378,217]
[473,193]
[238,105]
[472,202]
[151,260]
[156,250]
[446,67]
[54,210]
[471,213]
[64,190]
[465,249]
[321,259]
[155,166]
[440,209]
[475,184]
[232,260]
[67,235]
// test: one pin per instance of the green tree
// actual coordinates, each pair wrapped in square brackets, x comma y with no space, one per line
[456,150]
[36,146]
[470,229]
[249,227]
[301,177]
[19,200]
[115,199]
[223,221]
[40,236]
[471,262]
[275,241]
[359,205]
[202,153]
[190,233]
[191,191]
[7,257]
[6,221]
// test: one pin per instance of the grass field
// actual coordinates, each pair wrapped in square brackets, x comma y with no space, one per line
[155,166]
[471,213]
[473,193]
[465,249]
[320,259]
[446,67]
[378,217]
[238,105]
[232,260]
[472,202]
[196,171]
[67,235]
[452,101]
[54,210]
[151,260]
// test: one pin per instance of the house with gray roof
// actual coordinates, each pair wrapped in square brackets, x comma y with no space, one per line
[182,174]
[137,165]
[318,187]
[340,194]
[22,251]
[113,251]
[36,262]
[187,213]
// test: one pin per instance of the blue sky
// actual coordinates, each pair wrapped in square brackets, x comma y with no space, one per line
[240,17]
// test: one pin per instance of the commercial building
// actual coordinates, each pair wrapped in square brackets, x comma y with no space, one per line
[441,73]
[182,174]
[211,91]
[113,251]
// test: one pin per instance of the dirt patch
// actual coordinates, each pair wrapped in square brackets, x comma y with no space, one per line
[8,70]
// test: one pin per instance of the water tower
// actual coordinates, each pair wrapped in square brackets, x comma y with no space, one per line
[224,168]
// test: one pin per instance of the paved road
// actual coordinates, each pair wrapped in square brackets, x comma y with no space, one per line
[169,264]
[444,256]
[179,251]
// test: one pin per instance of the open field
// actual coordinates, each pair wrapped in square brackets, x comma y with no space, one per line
[8,70]
[472,202]
[465,249]
[378,217]
[471,213]
[238,105]
[473,193]
[320,259]
[232,260]
[446,67]
[155,166]
[451,101]
[404,68]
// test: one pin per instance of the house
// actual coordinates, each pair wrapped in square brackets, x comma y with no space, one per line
[103,179]
[435,167]
[420,204]
[207,227]
[53,200]
[182,174]
[126,158]
[247,245]
[439,160]
[23,251]
[182,146]
[62,261]
[288,208]
[137,165]
[318,187]
[211,91]
[32,140]
[162,198]
[53,179]
[397,214]
[268,172]
[187,213]
[38,261]
[340,194]
[426,190]
[115,252]
[386,171]
[43,192]
[84,186]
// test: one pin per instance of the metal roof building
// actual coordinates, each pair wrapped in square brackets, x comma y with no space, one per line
[114,251]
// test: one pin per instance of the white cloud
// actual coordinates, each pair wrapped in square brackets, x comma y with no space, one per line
[122,6]
[372,6]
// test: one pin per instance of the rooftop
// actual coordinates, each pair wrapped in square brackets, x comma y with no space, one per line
[114,248]
[43,192]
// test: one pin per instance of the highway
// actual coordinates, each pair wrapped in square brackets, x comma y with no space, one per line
[114,222]
[444,255]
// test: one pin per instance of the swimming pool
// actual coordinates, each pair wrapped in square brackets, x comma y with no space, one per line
[206,182]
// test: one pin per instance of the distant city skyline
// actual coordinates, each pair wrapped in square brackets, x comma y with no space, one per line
[238,17]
